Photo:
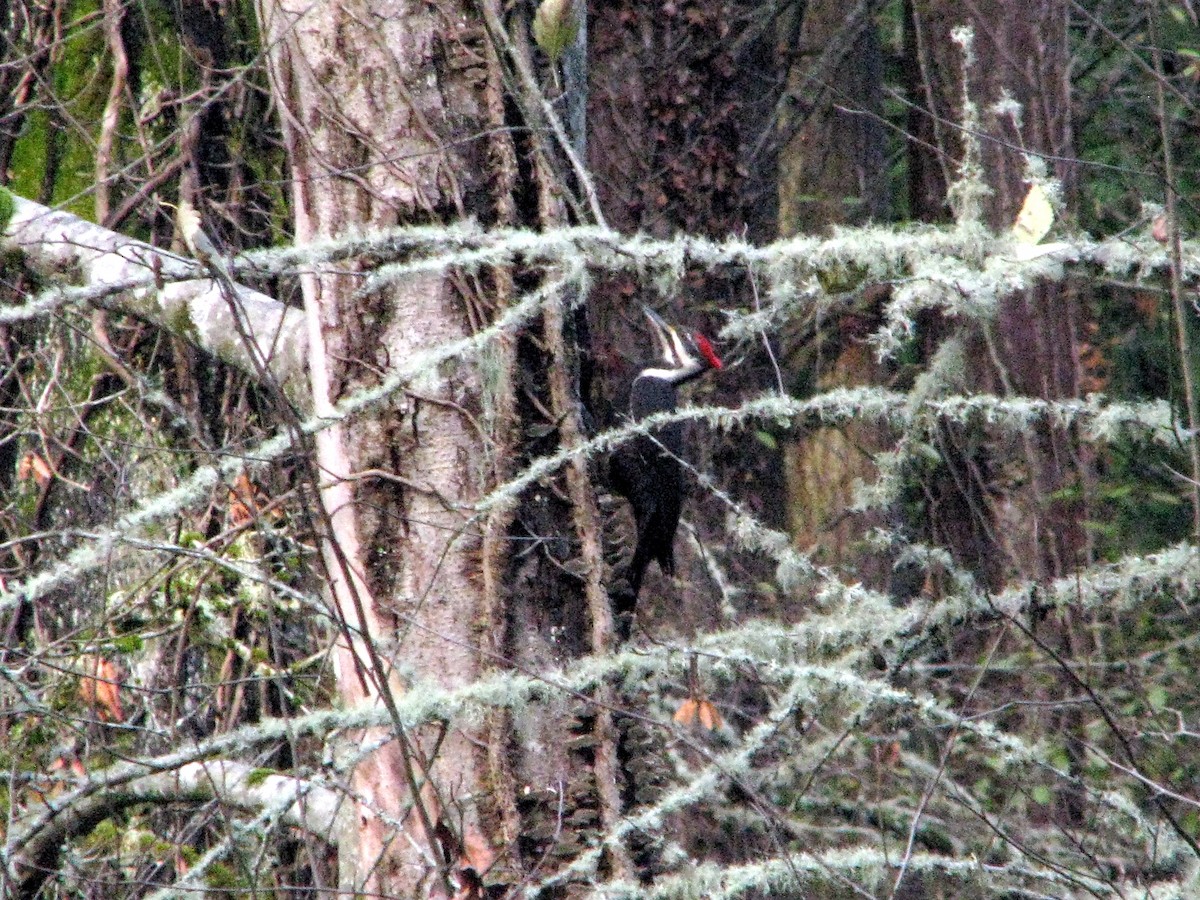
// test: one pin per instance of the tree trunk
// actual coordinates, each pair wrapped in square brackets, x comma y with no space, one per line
[372,99]
[402,119]
[1033,347]
[1023,520]
[831,172]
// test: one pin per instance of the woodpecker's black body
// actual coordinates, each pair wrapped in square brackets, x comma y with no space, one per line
[646,470]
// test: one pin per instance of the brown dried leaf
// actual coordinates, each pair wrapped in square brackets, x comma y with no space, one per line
[101,690]
[710,719]
[33,466]
[1158,228]
[888,755]
[687,712]
[246,500]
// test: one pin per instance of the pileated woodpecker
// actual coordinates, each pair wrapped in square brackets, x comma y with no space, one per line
[646,470]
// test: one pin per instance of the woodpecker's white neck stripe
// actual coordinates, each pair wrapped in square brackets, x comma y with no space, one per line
[662,374]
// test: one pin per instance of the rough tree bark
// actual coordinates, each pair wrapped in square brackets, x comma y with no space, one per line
[1033,347]
[371,98]
[394,112]
[831,172]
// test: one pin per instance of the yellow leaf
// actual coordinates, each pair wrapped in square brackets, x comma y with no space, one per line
[1035,218]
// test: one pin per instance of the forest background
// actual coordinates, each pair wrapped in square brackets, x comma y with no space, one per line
[308,555]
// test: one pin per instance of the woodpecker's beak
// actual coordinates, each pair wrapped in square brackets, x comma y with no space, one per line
[655,319]
[673,350]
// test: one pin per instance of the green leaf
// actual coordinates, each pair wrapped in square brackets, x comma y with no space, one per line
[767,439]
[555,26]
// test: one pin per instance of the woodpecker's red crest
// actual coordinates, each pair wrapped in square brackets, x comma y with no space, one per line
[706,350]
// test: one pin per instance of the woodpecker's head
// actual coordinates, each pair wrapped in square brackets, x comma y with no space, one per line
[686,356]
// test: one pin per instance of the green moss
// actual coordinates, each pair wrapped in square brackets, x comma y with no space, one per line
[51,145]
[129,643]
[143,841]
[54,158]
[28,165]
[81,81]
[7,208]
[104,834]
[179,323]
[258,776]
[841,277]
[221,876]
